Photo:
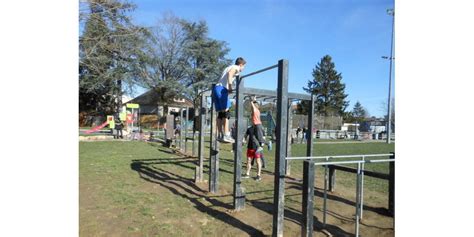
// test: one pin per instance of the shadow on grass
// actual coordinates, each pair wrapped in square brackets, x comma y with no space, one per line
[186,188]
[183,187]
[320,193]
[296,217]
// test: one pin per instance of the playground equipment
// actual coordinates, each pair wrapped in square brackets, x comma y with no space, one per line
[132,116]
[109,121]
[282,149]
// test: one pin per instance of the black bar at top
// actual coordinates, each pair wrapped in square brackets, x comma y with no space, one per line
[259,71]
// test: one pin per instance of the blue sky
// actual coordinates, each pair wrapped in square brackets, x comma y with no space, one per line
[354,33]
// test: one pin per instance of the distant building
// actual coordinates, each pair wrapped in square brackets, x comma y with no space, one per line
[377,125]
[150,104]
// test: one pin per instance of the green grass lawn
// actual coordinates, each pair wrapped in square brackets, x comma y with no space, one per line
[144,189]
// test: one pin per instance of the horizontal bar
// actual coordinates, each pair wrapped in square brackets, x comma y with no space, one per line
[350,162]
[366,172]
[271,93]
[339,162]
[298,96]
[385,160]
[259,71]
[335,157]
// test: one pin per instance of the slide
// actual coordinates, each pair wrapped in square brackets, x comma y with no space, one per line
[97,128]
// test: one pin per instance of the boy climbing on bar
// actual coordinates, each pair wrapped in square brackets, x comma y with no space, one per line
[257,124]
[221,99]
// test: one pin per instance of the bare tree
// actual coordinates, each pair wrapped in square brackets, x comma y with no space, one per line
[162,66]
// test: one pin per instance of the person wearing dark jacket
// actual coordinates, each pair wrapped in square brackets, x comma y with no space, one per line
[252,146]
[119,127]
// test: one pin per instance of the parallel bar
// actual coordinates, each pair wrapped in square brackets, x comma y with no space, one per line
[335,157]
[366,173]
[308,197]
[376,161]
[259,71]
[239,196]
[281,133]
[339,162]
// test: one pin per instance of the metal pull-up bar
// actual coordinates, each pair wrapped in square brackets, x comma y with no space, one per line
[335,157]
[259,71]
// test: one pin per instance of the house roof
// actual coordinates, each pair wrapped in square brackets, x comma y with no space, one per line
[152,97]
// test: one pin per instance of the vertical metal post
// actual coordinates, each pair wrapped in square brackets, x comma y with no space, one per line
[309,146]
[362,189]
[357,206]
[181,125]
[325,194]
[202,132]
[288,148]
[308,197]
[332,178]
[239,195]
[186,131]
[391,186]
[280,152]
[213,152]
[389,122]
[194,144]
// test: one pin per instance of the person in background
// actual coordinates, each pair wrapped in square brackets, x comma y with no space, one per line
[119,127]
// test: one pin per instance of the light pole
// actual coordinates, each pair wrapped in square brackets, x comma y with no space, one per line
[389,120]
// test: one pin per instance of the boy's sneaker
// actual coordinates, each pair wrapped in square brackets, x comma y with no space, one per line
[258,178]
[245,176]
[228,139]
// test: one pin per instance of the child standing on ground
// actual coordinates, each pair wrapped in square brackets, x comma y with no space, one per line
[221,98]
[252,145]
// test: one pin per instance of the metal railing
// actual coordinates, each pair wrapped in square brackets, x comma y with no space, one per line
[308,191]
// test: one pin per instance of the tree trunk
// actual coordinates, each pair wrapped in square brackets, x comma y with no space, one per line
[119,97]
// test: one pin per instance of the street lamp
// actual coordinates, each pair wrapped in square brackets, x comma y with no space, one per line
[390,12]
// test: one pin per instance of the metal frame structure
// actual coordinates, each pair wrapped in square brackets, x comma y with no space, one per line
[308,185]
[283,98]
[282,153]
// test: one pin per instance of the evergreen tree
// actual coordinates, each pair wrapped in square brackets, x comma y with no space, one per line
[328,88]
[206,59]
[359,112]
[108,45]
